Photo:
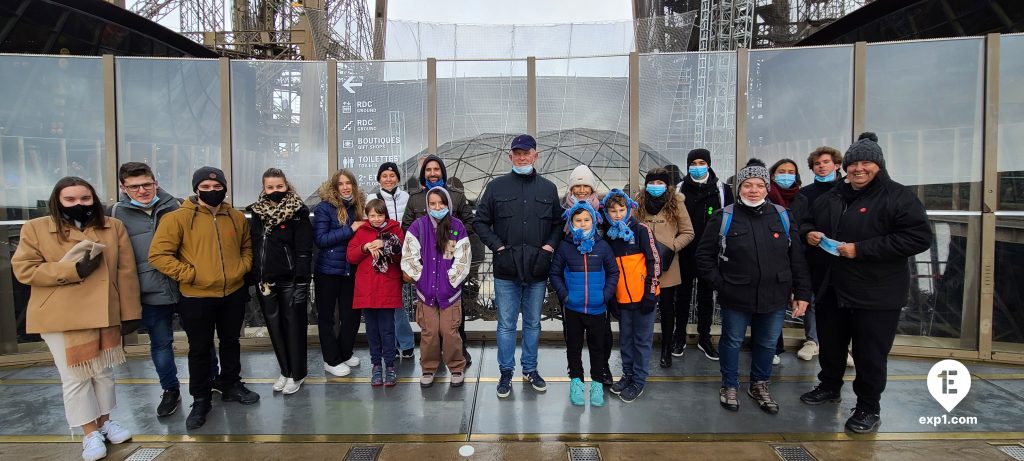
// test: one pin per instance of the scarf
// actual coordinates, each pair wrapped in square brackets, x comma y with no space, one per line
[391,249]
[653,205]
[91,351]
[620,230]
[272,213]
[783,196]
[584,240]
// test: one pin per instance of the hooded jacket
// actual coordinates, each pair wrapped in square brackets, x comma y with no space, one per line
[702,200]
[379,290]
[417,205]
[156,288]
[762,270]
[888,225]
[520,213]
[330,236]
[439,275]
[584,282]
[395,202]
[208,254]
[637,259]
[285,251]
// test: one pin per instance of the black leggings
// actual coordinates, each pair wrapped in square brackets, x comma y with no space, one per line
[337,337]
[670,318]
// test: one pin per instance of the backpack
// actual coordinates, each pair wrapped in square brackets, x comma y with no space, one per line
[727,221]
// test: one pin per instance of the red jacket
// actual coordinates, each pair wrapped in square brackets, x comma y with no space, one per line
[375,289]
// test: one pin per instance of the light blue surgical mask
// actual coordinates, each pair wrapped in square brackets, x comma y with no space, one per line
[829,245]
[656,190]
[786,180]
[439,214]
[831,177]
[698,172]
[144,205]
[523,169]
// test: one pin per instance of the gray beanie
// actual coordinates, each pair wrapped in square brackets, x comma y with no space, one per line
[754,169]
[865,149]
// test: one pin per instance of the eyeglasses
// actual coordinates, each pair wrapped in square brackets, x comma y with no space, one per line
[136,187]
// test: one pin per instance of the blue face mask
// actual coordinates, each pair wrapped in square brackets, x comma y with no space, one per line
[144,205]
[698,172]
[523,169]
[831,177]
[829,245]
[656,190]
[431,185]
[439,214]
[785,180]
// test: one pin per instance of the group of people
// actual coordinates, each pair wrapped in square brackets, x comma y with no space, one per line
[838,247]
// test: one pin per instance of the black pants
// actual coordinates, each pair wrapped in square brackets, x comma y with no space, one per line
[337,333]
[705,306]
[872,332]
[671,318]
[200,317]
[577,326]
[284,311]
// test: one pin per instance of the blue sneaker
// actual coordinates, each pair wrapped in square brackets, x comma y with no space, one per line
[536,381]
[576,392]
[505,384]
[596,394]
[621,384]
[630,393]
[377,378]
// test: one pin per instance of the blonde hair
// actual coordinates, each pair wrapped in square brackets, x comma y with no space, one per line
[357,197]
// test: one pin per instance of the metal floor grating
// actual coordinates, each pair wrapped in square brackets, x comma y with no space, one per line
[363,453]
[145,454]
[584,454]
[1013,451]
[793,453]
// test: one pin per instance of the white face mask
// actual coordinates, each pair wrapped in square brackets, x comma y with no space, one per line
[752,204]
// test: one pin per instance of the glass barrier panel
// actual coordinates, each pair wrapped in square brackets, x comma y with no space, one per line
[1011,123]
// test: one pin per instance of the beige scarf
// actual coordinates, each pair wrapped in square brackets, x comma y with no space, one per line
[91,351]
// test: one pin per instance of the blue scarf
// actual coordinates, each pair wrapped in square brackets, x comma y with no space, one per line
[584,241]
[620,230]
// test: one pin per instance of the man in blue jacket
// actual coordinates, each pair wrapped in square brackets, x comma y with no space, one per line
[519,219]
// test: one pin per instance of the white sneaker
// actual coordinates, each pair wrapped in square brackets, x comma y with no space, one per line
[776,360]
[115,433]
[352,362]
[808,351]
[293,386]
[280,383]
[338,370]
[93,447]
[849,360]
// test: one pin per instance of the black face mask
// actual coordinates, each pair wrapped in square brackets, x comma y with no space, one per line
[80,213]
[213,197]
[277,196]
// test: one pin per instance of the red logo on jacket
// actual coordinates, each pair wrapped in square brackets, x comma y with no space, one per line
[863,210]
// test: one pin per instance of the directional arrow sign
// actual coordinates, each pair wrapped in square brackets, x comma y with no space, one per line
[349,84]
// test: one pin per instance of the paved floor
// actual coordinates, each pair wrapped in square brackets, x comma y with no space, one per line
[680,404]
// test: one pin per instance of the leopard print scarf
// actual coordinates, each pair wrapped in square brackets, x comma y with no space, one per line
[273,214]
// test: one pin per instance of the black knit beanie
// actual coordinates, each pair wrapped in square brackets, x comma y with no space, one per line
[389,166]
[702,154]
[208,172]
[865,149]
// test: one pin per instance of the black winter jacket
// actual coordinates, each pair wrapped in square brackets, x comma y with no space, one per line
[764,270]
[702,200]
[817,260]
[521,213]
[888,225]
[286,251]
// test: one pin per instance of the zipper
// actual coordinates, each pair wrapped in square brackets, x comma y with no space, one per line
[586,285]
[263,254]
[288,256]
[220,251]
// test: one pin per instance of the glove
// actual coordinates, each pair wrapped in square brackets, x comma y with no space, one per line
[130,326]
[648,303]
[300,295]
[87,265]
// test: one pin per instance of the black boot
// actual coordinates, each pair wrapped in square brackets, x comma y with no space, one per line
[168,402]
[197,417]
[666,355]
[679,348]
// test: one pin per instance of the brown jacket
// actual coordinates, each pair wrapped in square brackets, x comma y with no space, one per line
[61,300]
[675,237]
[208,255]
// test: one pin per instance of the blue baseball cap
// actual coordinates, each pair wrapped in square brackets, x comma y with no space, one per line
[524,141]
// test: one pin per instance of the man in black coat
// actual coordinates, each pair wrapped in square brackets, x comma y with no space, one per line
[881,225]
[433,173]
[519,218]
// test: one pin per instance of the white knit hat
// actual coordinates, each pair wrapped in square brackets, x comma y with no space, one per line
[582,176]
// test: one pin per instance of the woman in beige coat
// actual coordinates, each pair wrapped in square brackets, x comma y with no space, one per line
[83,296]
[665,213]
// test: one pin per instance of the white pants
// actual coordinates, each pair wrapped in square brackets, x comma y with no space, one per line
[84,400]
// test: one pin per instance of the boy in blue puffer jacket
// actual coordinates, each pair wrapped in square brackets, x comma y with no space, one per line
[584,275]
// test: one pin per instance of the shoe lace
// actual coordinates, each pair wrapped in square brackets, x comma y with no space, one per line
[761,389]
[730,393]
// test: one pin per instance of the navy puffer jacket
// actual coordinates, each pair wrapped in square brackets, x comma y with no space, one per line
[329,235]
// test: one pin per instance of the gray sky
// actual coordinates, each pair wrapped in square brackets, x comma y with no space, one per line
[509,12]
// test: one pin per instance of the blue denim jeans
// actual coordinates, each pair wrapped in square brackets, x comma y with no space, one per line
[512,298]
[636,336]
[403,329]
[380,334]
[810,325]
[764,331]
[159,323]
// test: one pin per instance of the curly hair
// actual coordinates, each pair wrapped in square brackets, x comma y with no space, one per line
[673,205]
[357,197]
